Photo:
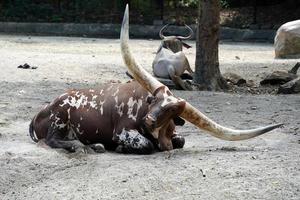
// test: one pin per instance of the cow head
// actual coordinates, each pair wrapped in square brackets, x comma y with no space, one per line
[163,108]
[163,115]
[174,43]
[167,99]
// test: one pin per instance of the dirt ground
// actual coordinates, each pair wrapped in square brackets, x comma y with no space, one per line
[266,167]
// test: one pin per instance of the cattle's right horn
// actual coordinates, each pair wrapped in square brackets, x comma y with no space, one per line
[197,118]
[189,36]
[140,74]
[161,35]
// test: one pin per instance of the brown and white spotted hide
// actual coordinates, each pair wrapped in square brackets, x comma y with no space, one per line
[113,115]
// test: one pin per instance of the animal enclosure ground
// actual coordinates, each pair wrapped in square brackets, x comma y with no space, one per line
[266,167]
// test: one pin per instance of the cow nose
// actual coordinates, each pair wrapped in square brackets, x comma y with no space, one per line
[150,120]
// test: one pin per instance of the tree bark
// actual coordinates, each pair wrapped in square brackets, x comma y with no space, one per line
[207,72]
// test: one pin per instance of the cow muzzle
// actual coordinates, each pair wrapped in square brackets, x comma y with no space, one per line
[150,122]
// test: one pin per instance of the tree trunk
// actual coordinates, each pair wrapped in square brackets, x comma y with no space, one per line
[207,72]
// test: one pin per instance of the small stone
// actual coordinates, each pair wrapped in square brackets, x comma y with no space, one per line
[253,108]
[253,157]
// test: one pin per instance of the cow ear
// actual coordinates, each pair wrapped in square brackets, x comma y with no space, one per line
[150,99]
[178,121]
[186,45]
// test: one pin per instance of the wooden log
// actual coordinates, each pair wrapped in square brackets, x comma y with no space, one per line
[291,87]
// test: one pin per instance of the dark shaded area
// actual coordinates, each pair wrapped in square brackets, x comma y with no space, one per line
[257,14]
[235,13]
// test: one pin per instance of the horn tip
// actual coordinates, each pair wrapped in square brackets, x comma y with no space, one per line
[281,125]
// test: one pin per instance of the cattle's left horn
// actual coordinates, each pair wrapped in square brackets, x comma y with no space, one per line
[139,73]
[189,36]
[161,35]
[197,118]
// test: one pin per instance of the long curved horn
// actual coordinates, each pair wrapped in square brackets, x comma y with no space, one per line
[190,113]
[197,118]
[140,74]
[189,36]
[161,31]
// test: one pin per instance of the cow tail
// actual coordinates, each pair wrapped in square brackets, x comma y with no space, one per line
[32,132]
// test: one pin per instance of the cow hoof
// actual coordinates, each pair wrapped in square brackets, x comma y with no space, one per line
[98,148]
[178,142]
[80,148]
[188,85]
[121,149]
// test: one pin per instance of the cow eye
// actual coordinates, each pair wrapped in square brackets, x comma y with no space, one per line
[150,99]
[173,109]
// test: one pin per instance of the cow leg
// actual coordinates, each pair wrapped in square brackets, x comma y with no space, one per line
[188,67]
[177,80]
[133,142]
[55,139]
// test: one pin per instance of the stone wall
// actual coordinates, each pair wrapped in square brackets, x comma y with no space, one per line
[136,31]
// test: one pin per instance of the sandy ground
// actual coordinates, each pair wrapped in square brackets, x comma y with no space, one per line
[266,167]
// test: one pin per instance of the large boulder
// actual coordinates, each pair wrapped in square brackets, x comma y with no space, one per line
[287,40]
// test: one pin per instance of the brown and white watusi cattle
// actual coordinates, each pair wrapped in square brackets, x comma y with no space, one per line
[115,115]
[170,62]
[134,117]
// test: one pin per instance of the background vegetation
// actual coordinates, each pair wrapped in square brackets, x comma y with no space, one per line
[235,13]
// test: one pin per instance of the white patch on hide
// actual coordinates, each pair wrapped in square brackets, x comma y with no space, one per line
[116,92]
[101,92]
[69,115]
[101,106]
[120,107]
[57,121]
[133,139]
[73,102]
[130,105]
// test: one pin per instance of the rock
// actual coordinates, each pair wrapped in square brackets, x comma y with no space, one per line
[278,78]
[291,87]
[26,66]
[234,78]
[287,40]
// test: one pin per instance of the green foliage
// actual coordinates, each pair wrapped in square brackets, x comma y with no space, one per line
[90,11]
[224,3]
